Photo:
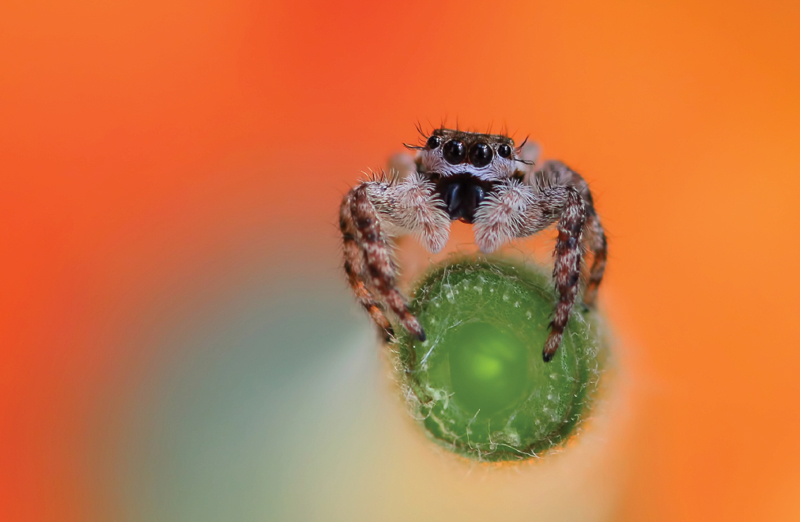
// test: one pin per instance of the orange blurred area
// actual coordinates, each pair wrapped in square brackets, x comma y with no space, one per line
[154,153]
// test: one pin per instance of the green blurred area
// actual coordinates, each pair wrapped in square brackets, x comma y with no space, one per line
[488,368]
[275,402]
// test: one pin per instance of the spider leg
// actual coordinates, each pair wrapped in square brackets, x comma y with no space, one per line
[504,214]
[599,246]
[378,259]
[519,210]
[354,268]
[556,173]
[567,270]
[371,213]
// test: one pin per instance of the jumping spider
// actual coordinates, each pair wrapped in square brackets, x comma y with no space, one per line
[480,179]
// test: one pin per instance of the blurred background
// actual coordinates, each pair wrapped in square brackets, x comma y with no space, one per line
[176,338]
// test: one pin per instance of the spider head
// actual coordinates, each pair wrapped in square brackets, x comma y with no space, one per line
[465,166]
[488,157]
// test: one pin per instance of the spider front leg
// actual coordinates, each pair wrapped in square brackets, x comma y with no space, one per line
[567,270]
[354,268]
[519,210]
[556,173]
[369,214]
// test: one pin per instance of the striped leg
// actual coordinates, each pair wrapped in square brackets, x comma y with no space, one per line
[368,213]
[520,210]
[354,268]
[567,271]
[556,173]
[378,259]
[517,210]
[599,246]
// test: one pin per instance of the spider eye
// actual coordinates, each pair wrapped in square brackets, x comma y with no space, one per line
[504,150]
[480,155]
[433,142]
[454,152]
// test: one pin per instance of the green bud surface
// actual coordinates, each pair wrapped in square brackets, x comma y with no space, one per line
[478,383]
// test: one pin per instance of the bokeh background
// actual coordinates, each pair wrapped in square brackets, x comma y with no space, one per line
[176,339]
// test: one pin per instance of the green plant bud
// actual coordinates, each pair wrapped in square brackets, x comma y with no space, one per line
[478,384]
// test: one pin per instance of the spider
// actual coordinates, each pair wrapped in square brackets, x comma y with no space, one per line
[483,180]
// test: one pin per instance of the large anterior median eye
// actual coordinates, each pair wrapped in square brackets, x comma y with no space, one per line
[480,155]
[454,152]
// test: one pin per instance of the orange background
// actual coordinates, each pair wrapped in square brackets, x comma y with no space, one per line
[152,152]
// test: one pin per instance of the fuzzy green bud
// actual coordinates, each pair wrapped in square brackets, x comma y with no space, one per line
[478,383]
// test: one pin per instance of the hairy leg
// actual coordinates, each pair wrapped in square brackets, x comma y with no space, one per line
[567,270]
[378,259]
[520,210]
[516,209]
[599,246]
[378,209]
[354,268]
[556,173]
[502,215]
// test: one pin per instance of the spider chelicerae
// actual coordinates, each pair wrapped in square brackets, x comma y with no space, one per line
[484,180]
